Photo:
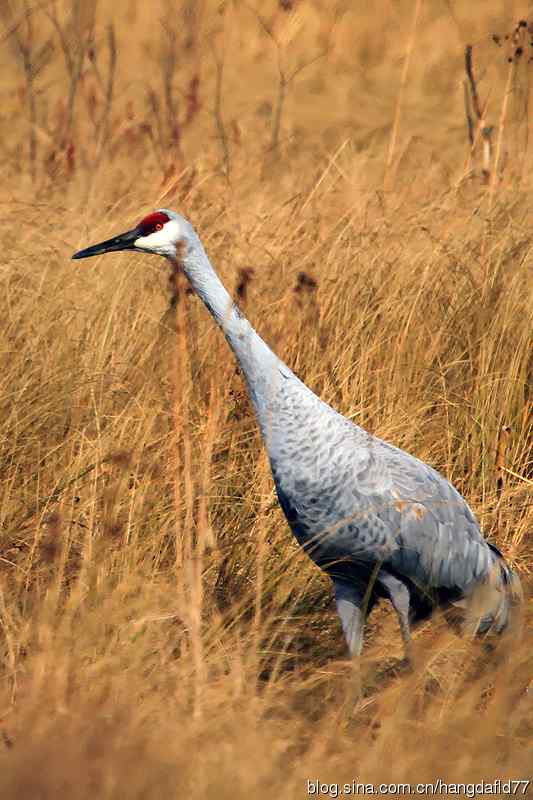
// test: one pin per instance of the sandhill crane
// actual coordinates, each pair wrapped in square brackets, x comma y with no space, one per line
[380,522]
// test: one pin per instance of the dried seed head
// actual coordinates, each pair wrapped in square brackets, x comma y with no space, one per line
[121,458]
[245,276]
[305,282]
[50,544]
[114,529]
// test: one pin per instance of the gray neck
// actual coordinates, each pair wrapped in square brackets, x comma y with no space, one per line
[261,367]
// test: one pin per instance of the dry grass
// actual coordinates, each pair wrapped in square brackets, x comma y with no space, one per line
[162,635]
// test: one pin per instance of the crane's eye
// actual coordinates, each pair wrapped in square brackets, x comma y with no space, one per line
[152,223]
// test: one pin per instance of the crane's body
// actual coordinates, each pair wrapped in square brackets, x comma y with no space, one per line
[380,522]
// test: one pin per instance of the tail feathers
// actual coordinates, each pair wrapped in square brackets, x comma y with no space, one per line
[491,603]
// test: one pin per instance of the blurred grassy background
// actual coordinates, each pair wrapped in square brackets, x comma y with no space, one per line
[162,634]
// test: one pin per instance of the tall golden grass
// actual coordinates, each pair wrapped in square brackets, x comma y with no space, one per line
[162,634]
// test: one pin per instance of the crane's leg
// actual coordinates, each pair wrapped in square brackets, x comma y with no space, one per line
[400,599]
[350,610]
[350,607]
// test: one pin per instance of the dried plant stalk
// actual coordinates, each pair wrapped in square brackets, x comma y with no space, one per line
[389,177]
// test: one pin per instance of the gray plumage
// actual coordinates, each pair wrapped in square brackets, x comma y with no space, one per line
[380,522]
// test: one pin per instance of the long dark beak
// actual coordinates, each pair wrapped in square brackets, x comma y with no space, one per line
[126,241]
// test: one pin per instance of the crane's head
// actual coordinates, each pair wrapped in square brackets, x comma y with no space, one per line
[163,232]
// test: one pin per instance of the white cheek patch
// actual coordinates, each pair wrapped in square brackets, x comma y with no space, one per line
[144,242]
